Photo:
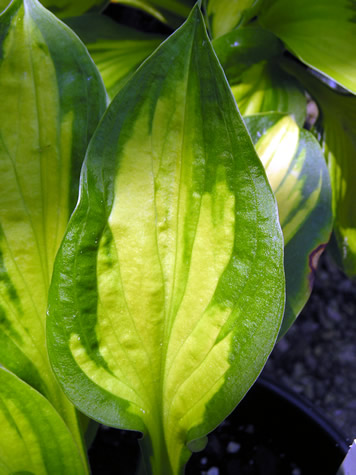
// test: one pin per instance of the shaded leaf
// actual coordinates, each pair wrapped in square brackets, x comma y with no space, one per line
[338,137]
[266,88]
[240,49]
[168,289]
[321,33]
[225,15]
[297,172]
[173,12]
[33,437]
[116,49]
[46,119]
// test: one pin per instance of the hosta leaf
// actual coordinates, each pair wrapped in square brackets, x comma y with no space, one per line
[66,8]
[240,49]
[338,137]
[33,437]
[52,99]
[266,88]
[168,289]
[4,4]
[322,33]
[116,49]
[225,15]
[297,172]
[173,12]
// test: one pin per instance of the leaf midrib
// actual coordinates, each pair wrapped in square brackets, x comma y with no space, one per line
[168,315]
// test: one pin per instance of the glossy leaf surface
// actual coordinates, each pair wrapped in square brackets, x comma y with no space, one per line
[168,289]
[67,8]
[52,99]
[173,12]
[225,15]
[338,136]
[266,88]
[33,437]
[297,172]
[116,49]
[322,33]
[241,48]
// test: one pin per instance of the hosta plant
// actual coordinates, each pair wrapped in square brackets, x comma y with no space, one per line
[196,235]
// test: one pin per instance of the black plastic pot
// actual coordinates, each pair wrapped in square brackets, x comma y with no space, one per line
[272,432]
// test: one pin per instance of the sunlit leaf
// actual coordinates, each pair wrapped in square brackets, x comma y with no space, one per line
[266,88]
[173,12]
[322,33]
[338,137]
[297,172]
[46,119]
[116,49]
[240,49]
[66,8]
[225,15]
[33,437]
[168,289]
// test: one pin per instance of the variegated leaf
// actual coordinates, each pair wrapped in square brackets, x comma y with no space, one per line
[322,33]
[266,88]
[116,49]
[297,172]
[239,49]
[33,437]
[168,289]
[67,8]
[337,125]
[52,98]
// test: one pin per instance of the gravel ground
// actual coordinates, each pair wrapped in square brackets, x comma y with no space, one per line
[317,357]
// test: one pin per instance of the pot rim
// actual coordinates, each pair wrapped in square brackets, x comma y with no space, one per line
[306,407]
